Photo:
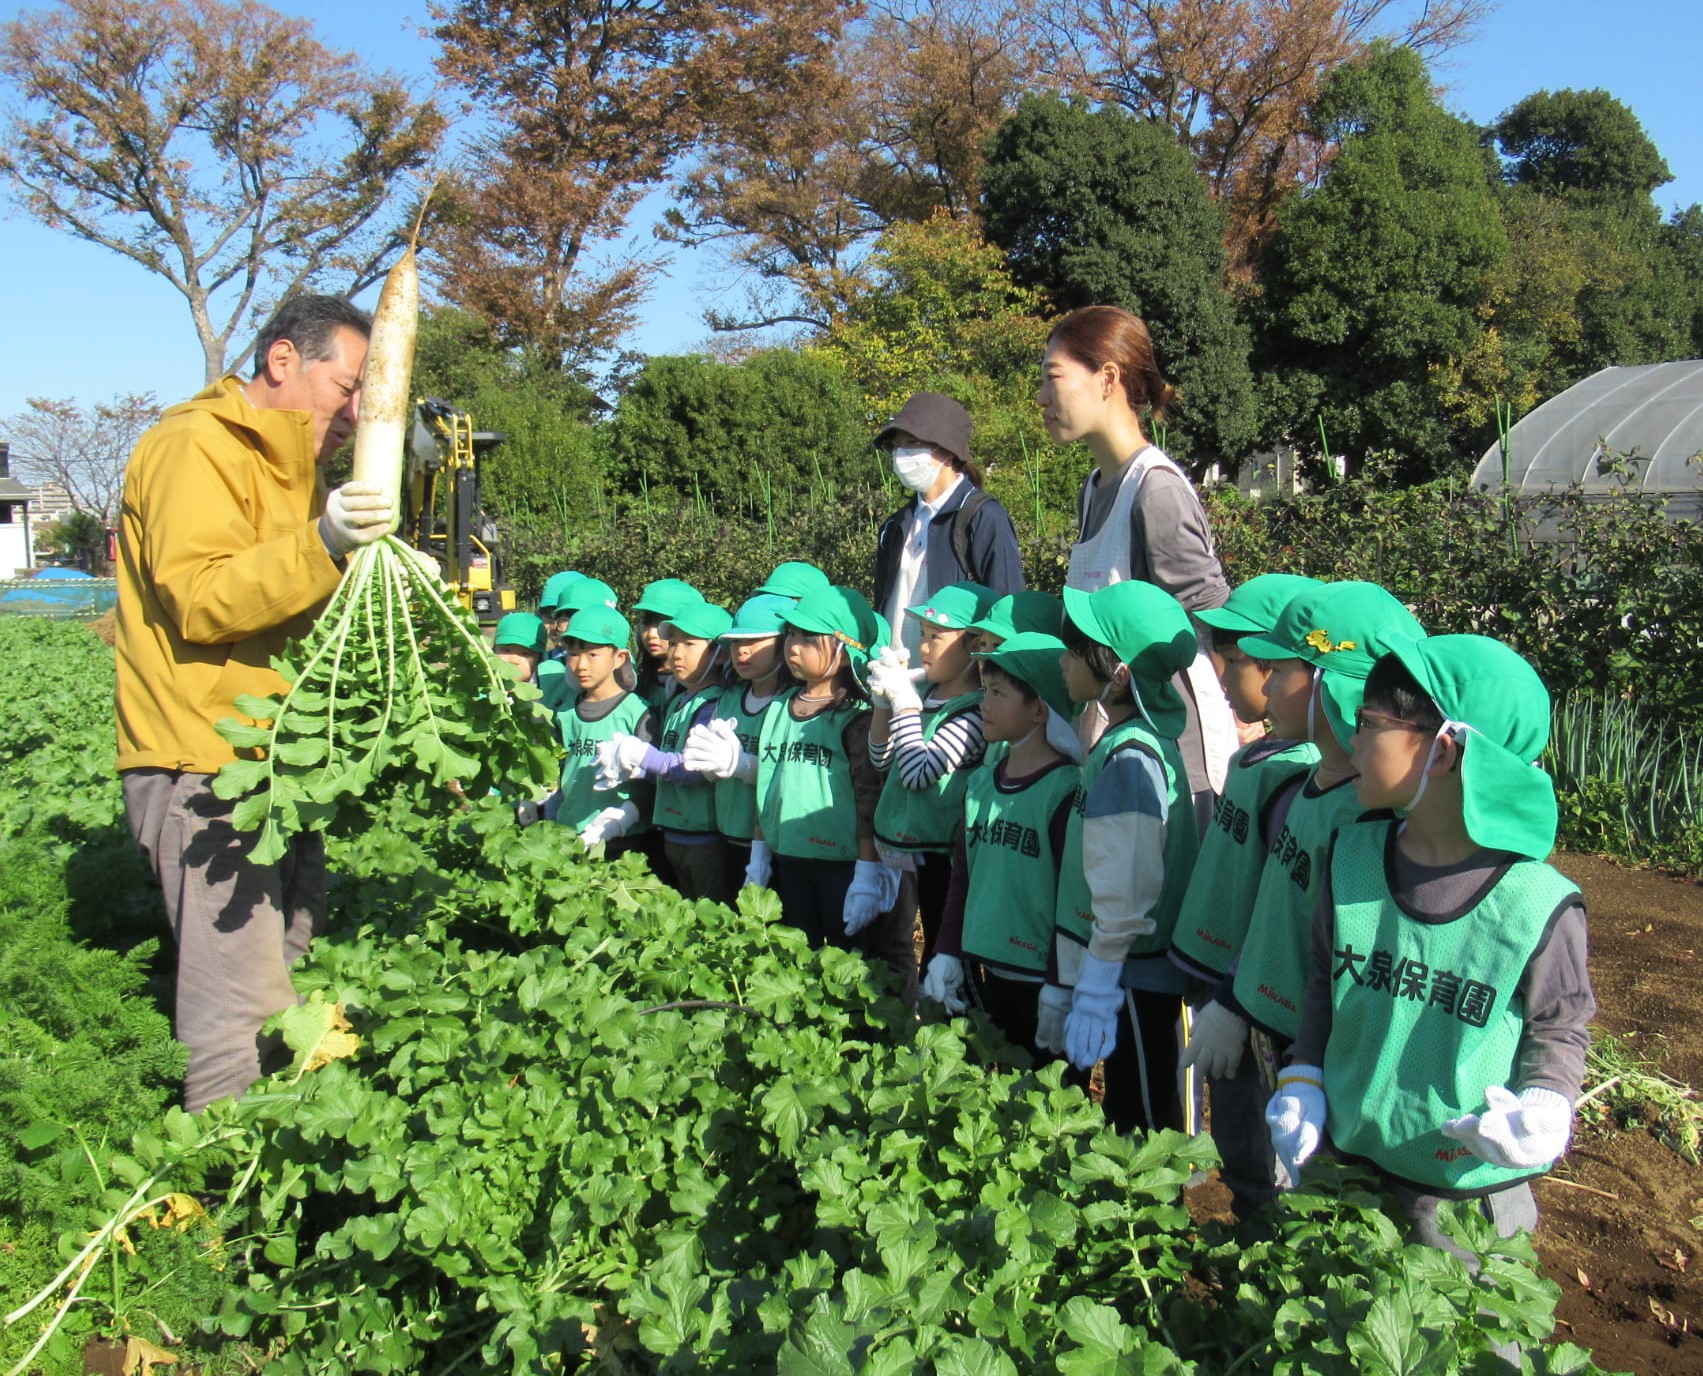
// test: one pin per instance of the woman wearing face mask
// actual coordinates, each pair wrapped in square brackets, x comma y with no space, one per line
[950,531]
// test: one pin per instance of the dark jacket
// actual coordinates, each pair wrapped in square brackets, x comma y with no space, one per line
[995,561]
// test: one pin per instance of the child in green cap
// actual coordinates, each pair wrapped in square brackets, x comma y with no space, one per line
[1220,896]
[816,787]
[657,602]
[685,798]
[597,641]
[725,747]
[1444,1030]
[998,924]
[1112,992]
[926,746]
[1325,642]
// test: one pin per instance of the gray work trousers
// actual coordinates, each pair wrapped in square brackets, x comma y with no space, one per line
[238,926]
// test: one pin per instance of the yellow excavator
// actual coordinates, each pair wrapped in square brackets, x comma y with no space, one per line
[442,515]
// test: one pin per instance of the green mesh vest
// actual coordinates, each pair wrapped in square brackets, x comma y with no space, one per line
[804,783]
[580,738]
[679,807]
[1075,914]
[736,801]
[1008,910]
[1271,976]
[925,818]
[1426,1014]
[1214,916]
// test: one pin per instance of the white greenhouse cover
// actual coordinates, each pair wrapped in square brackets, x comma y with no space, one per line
[1652,414]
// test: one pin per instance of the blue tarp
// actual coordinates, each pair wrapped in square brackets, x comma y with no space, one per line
[59,593]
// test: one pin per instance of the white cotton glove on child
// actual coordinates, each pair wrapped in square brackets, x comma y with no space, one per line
[944,983]
[712,749]
[901,689]
[1091,1030]
[1050,1012]
[1296,1117]
[356,514]
[1517,1131]
[619,759]
[1216,1042]
[760,865]
[608,824]
[890,660]
[874,889]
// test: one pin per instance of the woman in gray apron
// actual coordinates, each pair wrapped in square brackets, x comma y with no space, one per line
[1141,518]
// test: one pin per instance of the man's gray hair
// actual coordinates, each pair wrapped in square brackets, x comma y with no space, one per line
[311,324]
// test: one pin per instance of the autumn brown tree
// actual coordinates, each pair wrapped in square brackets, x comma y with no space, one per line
[891,130]
[82,448]
[590,102]
[220,145]
[1234,78]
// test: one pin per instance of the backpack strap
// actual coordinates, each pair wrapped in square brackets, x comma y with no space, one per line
[961,519]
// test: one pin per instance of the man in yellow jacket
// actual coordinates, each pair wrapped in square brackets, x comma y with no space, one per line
[228,548]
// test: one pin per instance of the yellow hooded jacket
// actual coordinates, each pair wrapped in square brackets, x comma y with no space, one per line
[220,563]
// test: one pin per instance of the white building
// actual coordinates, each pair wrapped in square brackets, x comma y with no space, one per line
[17,547]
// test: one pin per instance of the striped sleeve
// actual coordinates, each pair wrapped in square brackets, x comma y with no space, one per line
[956,744]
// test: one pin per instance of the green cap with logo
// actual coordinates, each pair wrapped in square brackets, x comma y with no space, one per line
[1151,634]
[844,614]
[665,596]
[1022,611]
[1342,630]
[701,621]
[794,579]
[956,607]
[587,592]
[1498,710]
[1255,606]
[600,625]
[760,617]
[555,586]
[522,630]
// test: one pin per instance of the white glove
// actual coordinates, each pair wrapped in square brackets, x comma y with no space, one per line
[608,824]
[944,983]
[426,563]
[874,889]
[619,759]
[1517,1131]
[759,866]
[712,749]
[1053,1008]
[1296,1117]
[1091,1031]
[901,689]
[890,658]
[355,514]
[1216,1042]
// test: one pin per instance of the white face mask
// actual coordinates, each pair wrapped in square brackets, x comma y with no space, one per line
[915,466]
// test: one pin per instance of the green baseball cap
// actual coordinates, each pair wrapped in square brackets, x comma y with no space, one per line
[956,607]
[523,630]
[665,596]
[1033,658]
[1150,632]
[701,621]
[1022,611]
[600,625]
[760,616]
[794,579]
[1341,629]
[1255,606]
[1499,711]
[845,614]
[587,592]
[554,587]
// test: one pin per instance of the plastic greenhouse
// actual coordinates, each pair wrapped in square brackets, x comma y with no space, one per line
[1650,416]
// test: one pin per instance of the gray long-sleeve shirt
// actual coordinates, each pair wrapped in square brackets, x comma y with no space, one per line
[1170,543]
[1556,985]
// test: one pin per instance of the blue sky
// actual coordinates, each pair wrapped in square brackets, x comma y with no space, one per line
[82,322]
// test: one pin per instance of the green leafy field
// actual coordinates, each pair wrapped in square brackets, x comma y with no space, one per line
[575,1123]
